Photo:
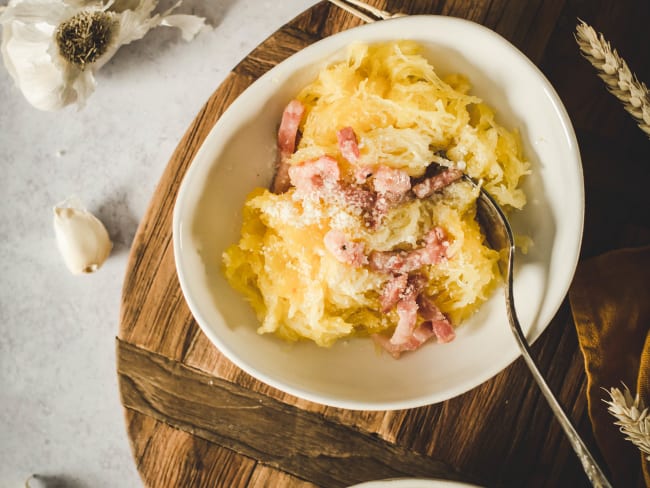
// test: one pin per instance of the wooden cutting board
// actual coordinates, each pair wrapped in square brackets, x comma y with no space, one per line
[194,419]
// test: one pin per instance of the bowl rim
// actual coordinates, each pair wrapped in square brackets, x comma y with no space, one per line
[304,58]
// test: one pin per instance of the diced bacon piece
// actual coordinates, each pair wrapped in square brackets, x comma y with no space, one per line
[362,173]
[359,198]
[384,202]
[382,205]
[384,342]
[345,250]
[437,182]
[421,334]
[407,336]
[428,309]
[363,200]
[288,131]
[315,175]
[434,251]
[440,324]
[443,330]
[287,135]
[391,180]
[281,180]
[348,144]
[373,204]
[407,310]
[392,291]
[435,324]
[387,261]
[436,246]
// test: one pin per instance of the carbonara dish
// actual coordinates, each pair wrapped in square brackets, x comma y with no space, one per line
[368,228]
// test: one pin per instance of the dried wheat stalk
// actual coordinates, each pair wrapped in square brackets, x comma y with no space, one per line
[616,74]
[632,417]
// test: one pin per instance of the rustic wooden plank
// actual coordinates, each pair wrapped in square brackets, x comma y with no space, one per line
[536,36]
[269,477]
[212,465]
[502,432]
[173,458]
[474,11]
[539,448]
[282,436]
[275,50]
[339,20]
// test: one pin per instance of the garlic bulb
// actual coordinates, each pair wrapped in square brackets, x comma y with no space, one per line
[53,48]
[81,237]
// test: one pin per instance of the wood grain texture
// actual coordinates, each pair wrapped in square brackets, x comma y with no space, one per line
[257,427]
[197,462]
[502,433]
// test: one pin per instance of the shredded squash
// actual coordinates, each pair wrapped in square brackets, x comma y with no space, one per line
[405,117]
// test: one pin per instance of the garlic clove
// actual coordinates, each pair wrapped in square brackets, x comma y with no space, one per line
[82,239]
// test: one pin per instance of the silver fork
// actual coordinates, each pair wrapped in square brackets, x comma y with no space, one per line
[349,6]
[499,235]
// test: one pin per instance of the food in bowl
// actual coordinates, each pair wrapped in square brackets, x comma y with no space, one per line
[368,229]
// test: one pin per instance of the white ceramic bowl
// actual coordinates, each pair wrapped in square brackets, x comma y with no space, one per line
[238,155]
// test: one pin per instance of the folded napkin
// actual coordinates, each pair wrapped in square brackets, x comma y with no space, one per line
[610,303]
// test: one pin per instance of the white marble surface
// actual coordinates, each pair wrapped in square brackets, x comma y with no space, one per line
[60,414]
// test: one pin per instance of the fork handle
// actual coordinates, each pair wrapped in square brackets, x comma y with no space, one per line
[589,464]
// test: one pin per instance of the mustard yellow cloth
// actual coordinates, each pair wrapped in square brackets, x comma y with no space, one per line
[610,302]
